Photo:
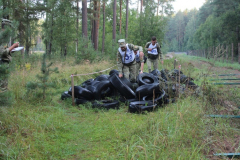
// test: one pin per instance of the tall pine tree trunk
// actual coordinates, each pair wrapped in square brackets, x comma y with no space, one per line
[77,27]
[120,27]
[238,41]
[137,6]
[141,15]
[95,25]
[28,27]
[114,19]
[51,34]
[103,34]
[126,32]
[98,20]
[84,20]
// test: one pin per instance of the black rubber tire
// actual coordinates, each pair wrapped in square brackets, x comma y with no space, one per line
[134,86]
[146,78]
[158,78]
[140,106]
[126,101]
[164,74]
[80,101]
[65,95]
[192,85]
[101,77]
[114,71]
[183,79]
[101,89]
[159,99]
[121,87]
[177,71]
[127,82]
[86,83]
[91,88]
[156,72]
[169,100]
[95,82]
[106,104]
[80,92]
[146,90]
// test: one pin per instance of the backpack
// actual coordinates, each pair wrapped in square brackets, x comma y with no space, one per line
[145,59]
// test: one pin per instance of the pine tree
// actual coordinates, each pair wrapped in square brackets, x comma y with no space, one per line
[43,78]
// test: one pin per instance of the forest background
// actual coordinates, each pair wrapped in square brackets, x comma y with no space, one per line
[86,28]
[76,35]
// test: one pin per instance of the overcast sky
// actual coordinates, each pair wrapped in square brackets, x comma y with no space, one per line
[187,4]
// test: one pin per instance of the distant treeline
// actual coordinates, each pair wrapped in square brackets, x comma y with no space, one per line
[216,22]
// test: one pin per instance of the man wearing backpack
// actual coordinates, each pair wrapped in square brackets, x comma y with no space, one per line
[126,62]
[154,53]
[139,56]
[5,58]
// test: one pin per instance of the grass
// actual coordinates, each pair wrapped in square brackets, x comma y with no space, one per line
[33,128]
[234,65]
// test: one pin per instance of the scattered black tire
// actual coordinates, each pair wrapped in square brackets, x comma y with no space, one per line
[127,101]
[80,101]
[95,82]
[164,74]
[134,86]
[146,90]
[101,77]
[80,92]
[127,82]
[157,78]
[156,72]
[146,78]
[87,83]
[140,106]
[121,87]
[101,89]
[65,95]
[114,71]
[192,85]
[177,71]
[169,100]
[106,104]
[183,79]
[91,88]
[159,99]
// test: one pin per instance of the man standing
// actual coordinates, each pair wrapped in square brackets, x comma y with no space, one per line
[5,58]
[139,56]
[126,60]
[154,53]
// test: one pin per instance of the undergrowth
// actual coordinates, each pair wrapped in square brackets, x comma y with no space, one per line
[33,128]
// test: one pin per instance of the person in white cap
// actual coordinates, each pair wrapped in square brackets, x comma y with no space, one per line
[126,62]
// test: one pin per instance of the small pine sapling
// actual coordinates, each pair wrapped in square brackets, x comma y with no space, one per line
[43,78]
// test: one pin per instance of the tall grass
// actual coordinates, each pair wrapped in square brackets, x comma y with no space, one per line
[53,129]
